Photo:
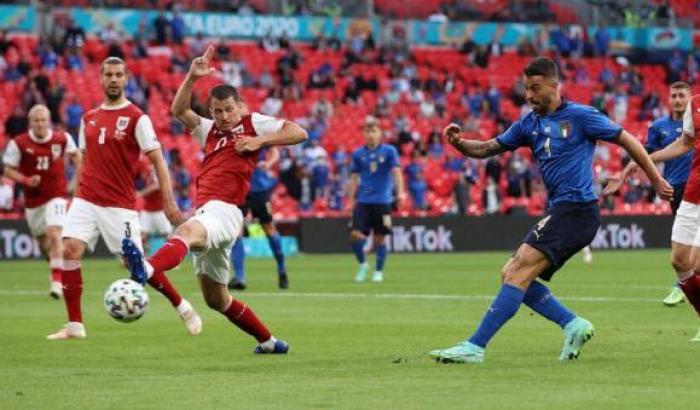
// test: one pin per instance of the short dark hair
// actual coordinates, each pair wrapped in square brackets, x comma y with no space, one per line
[112,61]
[680,84]
[224,91]
[546,67]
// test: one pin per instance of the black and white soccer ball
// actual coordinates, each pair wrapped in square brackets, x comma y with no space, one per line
[126,300]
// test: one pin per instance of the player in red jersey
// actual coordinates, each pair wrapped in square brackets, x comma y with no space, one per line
[36,161]
[686,225]
[112,137]
[152,217]
[231,144]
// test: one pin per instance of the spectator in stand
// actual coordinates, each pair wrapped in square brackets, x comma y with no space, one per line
[322,108]
[418,188]
[493,98]
[322,78]
[137,91]
[5,42]
[161,27]
[674,68]
[266,80]
[336,193]
[435,147]
[54,99]
[341,160]
[177,28]
[602,41]
[74,35]
[427,107]
[16,123]
[72,114]
[198,44]
[270,43]
[491,197]
[140,39]
[273,104]
[47,56]
[109,34]
[12,73]
[693,69]
[651,107]
[74,61]
[518,179]
[468,176]
[7,197]
[493,169]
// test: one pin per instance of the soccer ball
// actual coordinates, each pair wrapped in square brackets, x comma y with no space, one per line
[126,300]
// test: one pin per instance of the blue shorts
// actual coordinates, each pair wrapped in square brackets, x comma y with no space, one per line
[258,203]
[371,217]
[565,229]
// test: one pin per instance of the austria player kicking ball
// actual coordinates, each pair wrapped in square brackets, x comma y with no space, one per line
[36,161]
[112,137]
[562,135]
[375,170]
[685,235]
[231,144]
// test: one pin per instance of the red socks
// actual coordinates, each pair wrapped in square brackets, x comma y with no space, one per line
[56,266]
[691,288]
[242,316]
[162,284]
[169,255]
[72,290]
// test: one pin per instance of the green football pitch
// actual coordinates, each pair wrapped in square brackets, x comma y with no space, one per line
[356,345]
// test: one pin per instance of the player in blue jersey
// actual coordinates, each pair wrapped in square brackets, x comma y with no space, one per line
[662,133]
[562,136]
[375,172]
[262,183]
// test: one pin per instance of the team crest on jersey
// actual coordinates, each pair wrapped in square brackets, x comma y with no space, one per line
[56,150]
[122,123]
[565,129]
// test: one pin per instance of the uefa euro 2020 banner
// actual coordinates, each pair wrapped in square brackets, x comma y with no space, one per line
[229,25]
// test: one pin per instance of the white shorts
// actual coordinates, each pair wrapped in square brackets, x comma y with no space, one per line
[86,221]
[223,223]
[686,224]
[155,223]
[52,213]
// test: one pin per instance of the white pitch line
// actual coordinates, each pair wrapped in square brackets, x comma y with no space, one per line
[397,296]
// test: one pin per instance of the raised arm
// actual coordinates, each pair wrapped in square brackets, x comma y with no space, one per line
[471,148]
[639,155]
[180,107]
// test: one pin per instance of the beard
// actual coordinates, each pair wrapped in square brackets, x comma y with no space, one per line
[113,95]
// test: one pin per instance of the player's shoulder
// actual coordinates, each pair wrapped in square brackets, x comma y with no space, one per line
[357,152]
[20,139]
[389,148]
[578,108]
[660,122]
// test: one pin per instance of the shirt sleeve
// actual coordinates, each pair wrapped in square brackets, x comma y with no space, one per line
[688,126]
[355,164]
[12,155]
[263,124]
[146,135]
[71,148]
[513,138]
[394,158]
[653,143]
[81,135]
[597,126]
[202,129]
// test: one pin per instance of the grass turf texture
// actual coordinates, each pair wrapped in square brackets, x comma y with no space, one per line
[355,345]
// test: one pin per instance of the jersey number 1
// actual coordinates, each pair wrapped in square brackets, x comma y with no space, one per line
[103,135]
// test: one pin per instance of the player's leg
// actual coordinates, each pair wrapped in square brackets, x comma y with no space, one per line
[680,261]
[213,284]
[381,226]
[518,274]
[238,262]
[587,255]
[685,232]
[275,241]
[121,232]
[54,245]
[359,229]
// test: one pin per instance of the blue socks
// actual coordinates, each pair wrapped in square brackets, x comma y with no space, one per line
[542,301]
[358,247]
[276,246]
[237,259]
[502,309]
[381,257]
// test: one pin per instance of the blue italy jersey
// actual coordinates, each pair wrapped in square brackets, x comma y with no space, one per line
[563,143]
[375,167]
[262,180]
[662,133]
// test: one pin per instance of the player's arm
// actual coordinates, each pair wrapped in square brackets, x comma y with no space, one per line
[155,156]
[397,174]
[352,189]
[180,107]
[289,134]
[272,157]
[639,155]
[11,160]
[149,189]
[471,148]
